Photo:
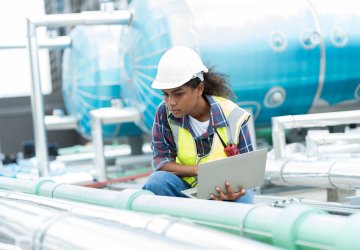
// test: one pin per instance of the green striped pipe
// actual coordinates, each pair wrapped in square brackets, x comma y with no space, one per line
[294,227]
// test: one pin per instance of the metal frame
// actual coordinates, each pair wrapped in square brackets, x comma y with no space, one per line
[37,105]
[279,124]
[105,116]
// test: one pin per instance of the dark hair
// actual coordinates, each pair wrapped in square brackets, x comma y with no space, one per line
[214,84]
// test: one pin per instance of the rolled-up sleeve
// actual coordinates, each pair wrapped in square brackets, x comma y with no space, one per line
[163,145]
[245,144]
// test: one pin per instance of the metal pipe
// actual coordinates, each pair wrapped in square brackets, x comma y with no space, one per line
[263,223]
[37,104]
[84,154]
[84,18]
[279,124]
[60,42]
[75,178]
[165,226]
[325,174]
[36,227]
[339,148]
[313,142]
[331,207]
[107,6]
[280,227]
[87,18]
[107,116]
[53,122]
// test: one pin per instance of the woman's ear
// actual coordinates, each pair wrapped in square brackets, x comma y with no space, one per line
[200,88]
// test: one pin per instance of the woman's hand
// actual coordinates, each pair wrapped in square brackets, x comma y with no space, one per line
[229,195]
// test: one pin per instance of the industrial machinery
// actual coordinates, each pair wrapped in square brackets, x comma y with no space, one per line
[281,58]
[286,61]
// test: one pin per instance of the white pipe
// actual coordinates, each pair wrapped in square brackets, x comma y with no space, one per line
[279,124]
[168,227]
[85,155]
[84,18]
[37,227]
[107,116]
[339,148]
[325,174]
[313,142]
[37,104]
[60,42]
[53,122]
[143,159]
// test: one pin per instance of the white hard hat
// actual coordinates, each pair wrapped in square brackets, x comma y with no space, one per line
[177,66]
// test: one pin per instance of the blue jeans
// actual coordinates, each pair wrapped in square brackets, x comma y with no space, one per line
[167,184]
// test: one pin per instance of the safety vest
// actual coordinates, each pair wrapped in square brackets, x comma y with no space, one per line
[186,148]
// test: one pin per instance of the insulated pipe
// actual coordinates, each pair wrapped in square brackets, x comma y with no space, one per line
[279,124]
[313,141]
[325,174]
[35,227]
[304,228]
[103,116]
[37,105]
[165,226]
[60,42]
[295,227]
[335,149]
[48,188]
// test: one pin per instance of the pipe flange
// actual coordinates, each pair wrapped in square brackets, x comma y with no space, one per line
[40,232]
[329,175]
[278,41]
[38,184]
[339,37]
[285,230]
[275,97]
[242,229]
[55,187]
[282,172]
[310,39]
[126,198]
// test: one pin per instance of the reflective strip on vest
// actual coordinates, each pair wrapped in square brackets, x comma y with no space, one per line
[185,143]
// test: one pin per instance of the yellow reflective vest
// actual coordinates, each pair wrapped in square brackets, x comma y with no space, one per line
[186,148]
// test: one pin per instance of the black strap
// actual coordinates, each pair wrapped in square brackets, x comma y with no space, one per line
[222,142]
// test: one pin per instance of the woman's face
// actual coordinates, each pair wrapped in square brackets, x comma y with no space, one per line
[183,100]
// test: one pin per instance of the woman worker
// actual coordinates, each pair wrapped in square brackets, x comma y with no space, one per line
[196,123]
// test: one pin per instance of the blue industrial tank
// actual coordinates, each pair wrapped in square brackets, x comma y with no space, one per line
[91,77]
[282,57]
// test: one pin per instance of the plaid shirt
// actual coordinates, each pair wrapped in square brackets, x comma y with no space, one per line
[164,146]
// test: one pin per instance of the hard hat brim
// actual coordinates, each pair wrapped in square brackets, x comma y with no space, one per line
[168,85]
[162,85]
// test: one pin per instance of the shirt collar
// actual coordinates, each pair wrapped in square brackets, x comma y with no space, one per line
[217,118]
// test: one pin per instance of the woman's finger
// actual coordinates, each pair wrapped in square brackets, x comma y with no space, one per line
[229,189]
[221,196]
